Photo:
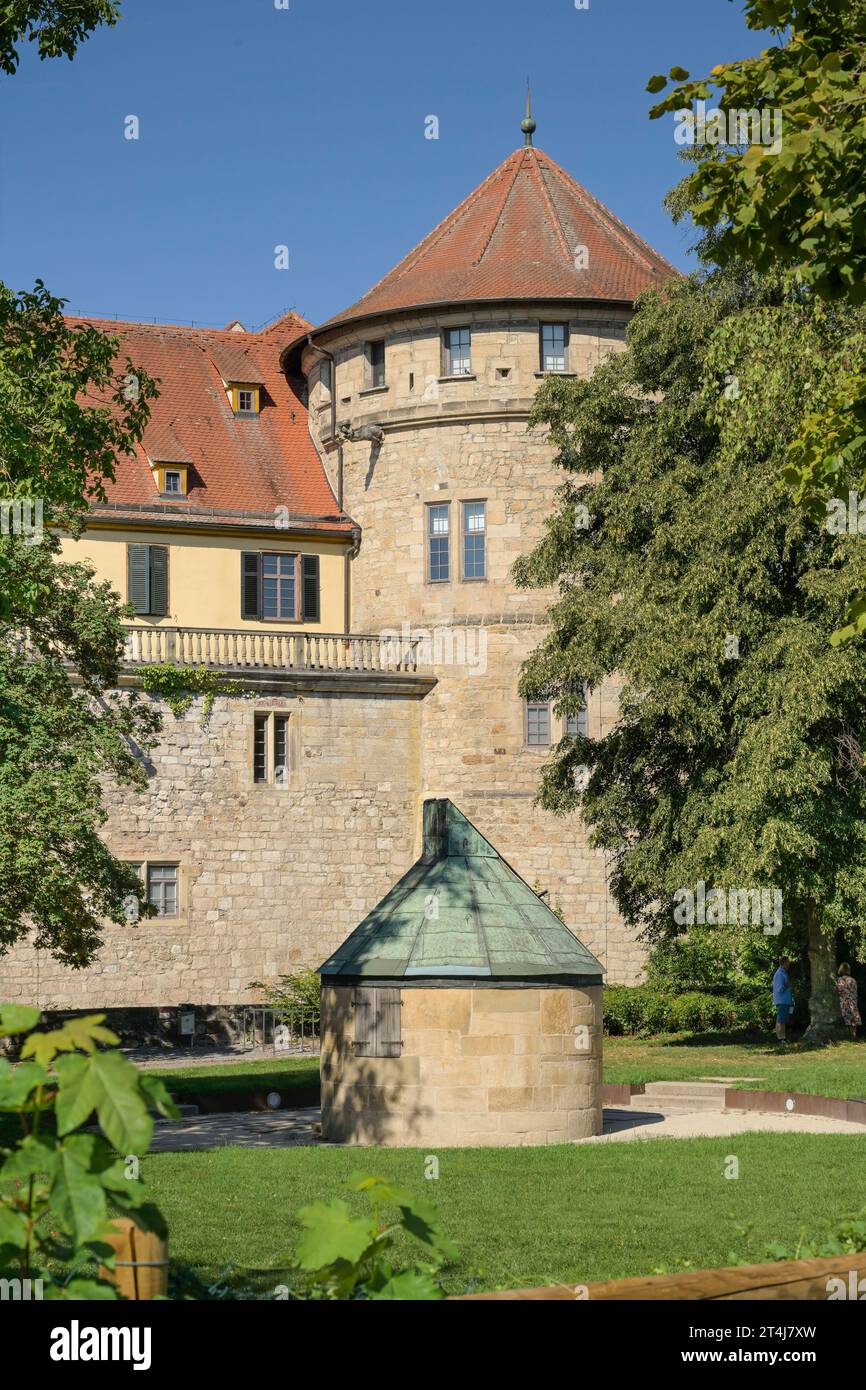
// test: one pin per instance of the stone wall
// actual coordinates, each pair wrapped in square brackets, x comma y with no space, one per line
[478,1067]
[272,878]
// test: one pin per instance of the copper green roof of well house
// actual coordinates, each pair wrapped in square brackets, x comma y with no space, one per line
[461,914]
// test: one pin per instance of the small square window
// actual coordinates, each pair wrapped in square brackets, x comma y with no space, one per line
[173,481]
[538,724]
[246,402]
[554,347]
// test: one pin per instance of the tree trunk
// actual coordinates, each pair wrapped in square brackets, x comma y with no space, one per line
[825,1018]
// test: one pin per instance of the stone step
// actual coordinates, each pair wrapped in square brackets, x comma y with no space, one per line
[683,1088]
[676,1105]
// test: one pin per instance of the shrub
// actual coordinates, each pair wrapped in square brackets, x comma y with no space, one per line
[644,1010]
[293,997]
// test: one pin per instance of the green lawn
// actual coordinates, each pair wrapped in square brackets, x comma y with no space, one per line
[530,1216]
[837,1070]
[289,1073]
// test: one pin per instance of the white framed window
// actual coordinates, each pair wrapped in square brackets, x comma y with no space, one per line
[272,749]
[162,884]
[554,347]
[474,540]
[438,542]
[457,352]
[246,402]
[173,480]
[537,723]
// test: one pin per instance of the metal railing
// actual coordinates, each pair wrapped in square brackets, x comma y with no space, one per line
[284,1030]
[277,651]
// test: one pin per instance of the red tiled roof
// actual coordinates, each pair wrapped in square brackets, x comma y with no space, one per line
[236,465]
[516,237]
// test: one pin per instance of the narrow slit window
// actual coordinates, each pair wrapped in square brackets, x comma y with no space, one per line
[260,748]
[281,749]
[376,363]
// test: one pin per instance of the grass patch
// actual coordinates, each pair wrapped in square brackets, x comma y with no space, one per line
[566,1213]
[289,1073]
[836,1070]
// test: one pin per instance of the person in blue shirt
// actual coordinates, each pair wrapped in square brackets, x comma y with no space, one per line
[783,998]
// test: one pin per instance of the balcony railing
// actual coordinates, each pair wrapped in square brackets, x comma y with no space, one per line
[270,651]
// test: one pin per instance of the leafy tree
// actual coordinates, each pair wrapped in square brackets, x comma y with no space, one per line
[801,206]
[737,757]
[67,410]
[56,26]
[60,1186]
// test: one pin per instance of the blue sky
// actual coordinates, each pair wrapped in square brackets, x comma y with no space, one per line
[304,127]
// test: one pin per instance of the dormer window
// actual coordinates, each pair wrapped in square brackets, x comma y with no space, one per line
[172,479]
[244,398]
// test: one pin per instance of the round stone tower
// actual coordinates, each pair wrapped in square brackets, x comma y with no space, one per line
[461,1010]
[419,401]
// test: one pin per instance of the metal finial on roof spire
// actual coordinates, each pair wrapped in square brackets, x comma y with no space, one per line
[527,125]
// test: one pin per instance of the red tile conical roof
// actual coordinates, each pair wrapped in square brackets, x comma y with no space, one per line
[529,231]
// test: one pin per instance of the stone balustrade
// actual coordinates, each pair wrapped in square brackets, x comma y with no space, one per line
[250,649]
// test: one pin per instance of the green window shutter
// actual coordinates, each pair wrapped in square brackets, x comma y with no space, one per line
[251,565]
[158,580]
[138,577]
[310,574]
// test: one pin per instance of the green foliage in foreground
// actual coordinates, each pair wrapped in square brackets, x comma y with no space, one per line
[521,1217]
[348,1256]
[59,1186]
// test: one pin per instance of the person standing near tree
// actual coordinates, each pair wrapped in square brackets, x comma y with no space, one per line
[783,998]
[848,1002]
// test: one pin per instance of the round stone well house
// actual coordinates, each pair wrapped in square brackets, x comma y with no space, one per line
[461,1010]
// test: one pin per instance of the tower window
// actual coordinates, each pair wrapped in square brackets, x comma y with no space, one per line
[554,347]
[574,724]
[376,363]
[457,354]
[538,724]
[438,543]
[474,540]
